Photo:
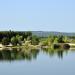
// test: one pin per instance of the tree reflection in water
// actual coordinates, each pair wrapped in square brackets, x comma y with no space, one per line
[28,54]
[58,52]
[18,54]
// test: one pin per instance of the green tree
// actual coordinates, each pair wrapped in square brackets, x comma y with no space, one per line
[35,40]
[5,41]
[66,39]
[19,39]
[56,40]
[60,39]
[29,38]
[14,41]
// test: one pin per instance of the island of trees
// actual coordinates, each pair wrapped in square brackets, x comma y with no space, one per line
[28,40]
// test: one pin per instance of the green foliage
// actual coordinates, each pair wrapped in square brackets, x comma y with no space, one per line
[10,34]
[60,39]
[47,41]
[73,41]
[29,38]
[51,39]
[14,41]
[35,40]
[19,39]
[56,40]
[24,40]
[28,33]
[14,37]
[66,39]
[44,43]
[5,41]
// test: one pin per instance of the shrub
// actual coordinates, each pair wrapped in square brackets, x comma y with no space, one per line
[14,41]
[5,41]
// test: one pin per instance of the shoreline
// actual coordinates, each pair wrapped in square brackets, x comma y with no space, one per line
[39,46]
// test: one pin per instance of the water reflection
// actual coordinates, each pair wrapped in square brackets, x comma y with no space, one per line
[28,54]
[58,52]
[18,54]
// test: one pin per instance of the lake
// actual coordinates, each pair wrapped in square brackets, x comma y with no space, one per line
[37,62]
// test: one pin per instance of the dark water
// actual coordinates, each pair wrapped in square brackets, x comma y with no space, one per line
[37,62]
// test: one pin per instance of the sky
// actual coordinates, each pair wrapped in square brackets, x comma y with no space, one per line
[37,15]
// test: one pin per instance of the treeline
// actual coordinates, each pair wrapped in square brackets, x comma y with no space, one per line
[10,34]
[49,41]
[20,37]
[14,37]
[17,37]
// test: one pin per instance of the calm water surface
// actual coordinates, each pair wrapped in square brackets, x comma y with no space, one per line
[37,62]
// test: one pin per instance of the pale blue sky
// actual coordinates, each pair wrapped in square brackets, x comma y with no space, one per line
[37,15]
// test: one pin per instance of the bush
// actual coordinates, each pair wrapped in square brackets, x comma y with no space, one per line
[60,39]
[5,41]
[35,40]
[14,41]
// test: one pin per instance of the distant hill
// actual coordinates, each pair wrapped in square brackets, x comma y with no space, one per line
[47,33]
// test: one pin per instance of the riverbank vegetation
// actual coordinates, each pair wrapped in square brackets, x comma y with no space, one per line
[28,40]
